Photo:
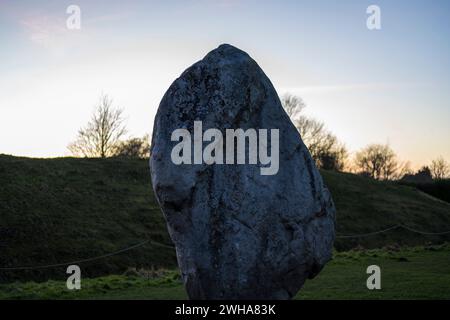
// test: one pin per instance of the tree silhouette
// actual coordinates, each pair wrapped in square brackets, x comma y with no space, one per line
[324,147]
[377,161]
[102,133]
[133,148]
[439,168]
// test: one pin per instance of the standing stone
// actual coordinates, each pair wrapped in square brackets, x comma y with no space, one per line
[239,234]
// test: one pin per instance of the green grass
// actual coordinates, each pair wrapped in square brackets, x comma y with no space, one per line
[364,205]
[58,210]
[406,273]
[65,209]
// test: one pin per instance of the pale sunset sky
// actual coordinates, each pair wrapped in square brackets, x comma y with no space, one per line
[368,86]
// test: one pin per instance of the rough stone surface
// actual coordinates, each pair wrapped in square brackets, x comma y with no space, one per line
[239,234]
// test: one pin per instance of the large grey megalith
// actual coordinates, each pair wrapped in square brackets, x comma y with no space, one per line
[239,234]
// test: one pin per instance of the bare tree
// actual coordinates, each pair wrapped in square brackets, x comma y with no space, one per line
[404,169]
[102,133]
[324,147]
[439,168]
[335,158]
[377,161]
[293,105]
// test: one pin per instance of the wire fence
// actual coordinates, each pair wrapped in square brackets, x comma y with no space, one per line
[338,236]
[55,265]
[368,234]
[397,226]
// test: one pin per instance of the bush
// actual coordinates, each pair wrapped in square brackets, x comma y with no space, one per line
[138,148]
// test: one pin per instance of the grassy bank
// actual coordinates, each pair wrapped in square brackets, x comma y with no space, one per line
[65,209]
[407,273]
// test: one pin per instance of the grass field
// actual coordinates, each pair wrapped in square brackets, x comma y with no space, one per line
[406,273]
[59,210]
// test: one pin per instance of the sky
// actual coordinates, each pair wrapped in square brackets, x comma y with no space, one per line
[368,86]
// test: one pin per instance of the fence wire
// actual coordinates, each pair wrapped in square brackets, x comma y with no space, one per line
[362,235]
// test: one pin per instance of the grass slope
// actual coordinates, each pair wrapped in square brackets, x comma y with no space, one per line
[364,205]
[407,273]
[58,210]
[65,209]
